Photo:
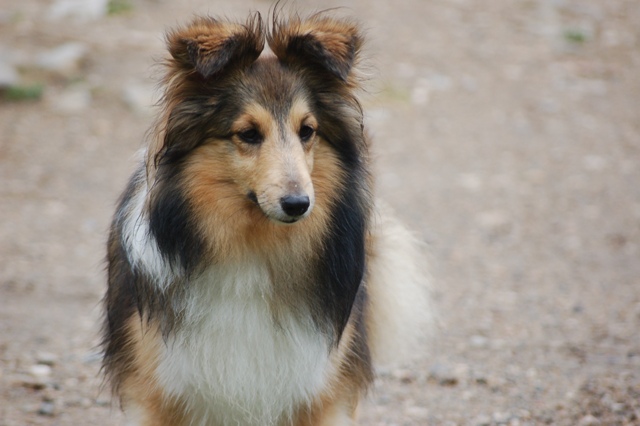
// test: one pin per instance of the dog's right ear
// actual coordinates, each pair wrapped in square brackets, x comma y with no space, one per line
[319,42]
[209,46]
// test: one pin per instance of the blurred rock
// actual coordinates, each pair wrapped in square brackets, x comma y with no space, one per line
[103,401]
[8,74]
[139,97]
[478,341]
[482,420]
[501,418]
[589,420]
[47,408]
[63,59]
[46,358]
[618,408]
[444,375]
[404,375]
[78,401]
[82,10]
[417,413]
[40,371]
[39,377]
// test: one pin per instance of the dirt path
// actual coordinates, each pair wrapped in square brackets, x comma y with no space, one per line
[507,134]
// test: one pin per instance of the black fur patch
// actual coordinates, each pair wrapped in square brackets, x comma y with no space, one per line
[341,266]
[358,361]
[120,306]
[172,224]
[123,297]
[307,46]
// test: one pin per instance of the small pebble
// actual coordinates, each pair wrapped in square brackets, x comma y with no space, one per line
[103,401]
[8,74]
[618,408]
[478,341]
[81,10]
[415,412]
[589,420]
[443,375]
[40,371]
[405,376]
[482,420]
[501,418]
[47,408]
[46,358]
[64,58]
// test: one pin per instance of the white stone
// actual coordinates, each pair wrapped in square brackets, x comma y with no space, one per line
[478,341]
[47,358]
[82,10]
[416,413]
[589,420]
[63,58]
[40,371]
[8,74]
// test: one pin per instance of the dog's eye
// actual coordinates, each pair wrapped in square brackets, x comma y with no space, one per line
[306,132]
[251,136]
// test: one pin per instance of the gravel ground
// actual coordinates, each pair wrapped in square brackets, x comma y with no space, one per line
[507,135]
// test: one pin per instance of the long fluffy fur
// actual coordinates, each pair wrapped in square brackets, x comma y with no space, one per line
[217,313]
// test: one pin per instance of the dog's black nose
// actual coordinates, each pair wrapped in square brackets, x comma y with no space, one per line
[294,205]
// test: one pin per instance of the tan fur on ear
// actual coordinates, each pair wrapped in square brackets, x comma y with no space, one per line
[209,46]
[201,52]
[320,40]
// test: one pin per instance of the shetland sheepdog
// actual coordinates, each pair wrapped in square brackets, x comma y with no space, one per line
[252,279]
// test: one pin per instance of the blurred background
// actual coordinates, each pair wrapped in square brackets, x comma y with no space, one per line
[506,134]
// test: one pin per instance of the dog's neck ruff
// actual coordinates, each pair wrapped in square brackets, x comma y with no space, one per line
[232,361]
[234,358]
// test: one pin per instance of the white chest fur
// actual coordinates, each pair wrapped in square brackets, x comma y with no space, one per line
[231,362]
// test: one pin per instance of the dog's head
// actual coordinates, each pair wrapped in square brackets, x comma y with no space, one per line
[245,127]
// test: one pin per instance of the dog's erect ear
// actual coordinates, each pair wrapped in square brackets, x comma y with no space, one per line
[320,41]
[209,46]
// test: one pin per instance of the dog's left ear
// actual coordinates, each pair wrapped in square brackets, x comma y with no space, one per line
[210,46]
[329,43]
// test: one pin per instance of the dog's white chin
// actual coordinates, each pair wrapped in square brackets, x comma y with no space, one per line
[281,217]
[286,220]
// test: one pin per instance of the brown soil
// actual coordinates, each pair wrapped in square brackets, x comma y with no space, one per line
[507,135]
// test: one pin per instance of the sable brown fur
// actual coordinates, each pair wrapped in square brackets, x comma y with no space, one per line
[203,227]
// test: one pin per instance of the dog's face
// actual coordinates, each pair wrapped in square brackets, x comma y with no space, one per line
[274,137]
[248,129]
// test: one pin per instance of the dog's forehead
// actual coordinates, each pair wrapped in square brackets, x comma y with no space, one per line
[274,86]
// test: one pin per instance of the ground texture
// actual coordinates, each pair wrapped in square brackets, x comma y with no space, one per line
[507,135]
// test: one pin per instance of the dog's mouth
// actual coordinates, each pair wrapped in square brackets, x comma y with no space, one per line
[289,210]
[253,197]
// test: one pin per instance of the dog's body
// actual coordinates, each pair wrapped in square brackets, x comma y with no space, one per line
[251,279]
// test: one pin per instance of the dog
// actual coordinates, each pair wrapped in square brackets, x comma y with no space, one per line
[252,277]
